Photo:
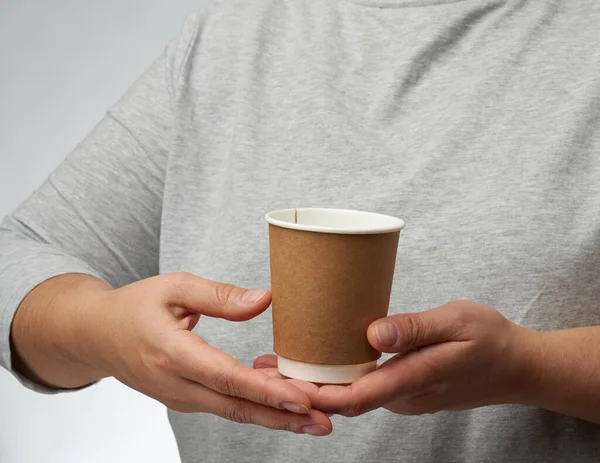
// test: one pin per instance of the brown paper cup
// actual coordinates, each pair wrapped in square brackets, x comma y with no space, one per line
[331,277]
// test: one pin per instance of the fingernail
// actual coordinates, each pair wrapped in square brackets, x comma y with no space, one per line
[295,408]
[253,296]
[386,333]
[316,430]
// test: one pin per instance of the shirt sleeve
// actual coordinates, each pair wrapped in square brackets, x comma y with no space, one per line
[99,212]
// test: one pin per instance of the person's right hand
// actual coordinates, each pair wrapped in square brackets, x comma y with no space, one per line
[147,344]
[75,327]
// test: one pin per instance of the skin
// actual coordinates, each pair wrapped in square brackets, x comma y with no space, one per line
[74,329]
[464,355]
[459,356]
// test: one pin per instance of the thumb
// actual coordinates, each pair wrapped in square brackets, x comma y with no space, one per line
[214,299]
[405,332]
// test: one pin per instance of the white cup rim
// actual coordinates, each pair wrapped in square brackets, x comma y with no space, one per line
[359,222]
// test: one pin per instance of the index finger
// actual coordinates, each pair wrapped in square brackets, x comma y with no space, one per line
[220,372]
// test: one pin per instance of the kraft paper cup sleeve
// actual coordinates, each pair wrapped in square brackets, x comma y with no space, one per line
[331,277]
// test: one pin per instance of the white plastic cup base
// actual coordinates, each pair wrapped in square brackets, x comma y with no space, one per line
[326,374]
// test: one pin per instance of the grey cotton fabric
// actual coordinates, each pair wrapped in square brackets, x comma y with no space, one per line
[476,121]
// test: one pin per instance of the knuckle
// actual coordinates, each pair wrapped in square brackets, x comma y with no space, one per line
[281,425]
[414,327]
[162,361]
[411,410]
[464,317]
[162,391]
[178,278]
[170,348]
[221,382]
[223,293]
[353,410]
[167,395]
[261,395]
[176,283]
[414,409]
[462,320]
[453,305]
[237,412]
[164,356]
[286,426]
[225,383]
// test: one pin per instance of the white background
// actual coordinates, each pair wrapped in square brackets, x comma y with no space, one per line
[62,63]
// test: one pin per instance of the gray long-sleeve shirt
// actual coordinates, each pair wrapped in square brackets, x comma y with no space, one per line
[476,121]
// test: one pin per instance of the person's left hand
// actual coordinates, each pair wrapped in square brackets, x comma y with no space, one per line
[458,356]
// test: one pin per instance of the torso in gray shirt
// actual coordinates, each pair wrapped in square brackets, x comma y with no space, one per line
[476,121]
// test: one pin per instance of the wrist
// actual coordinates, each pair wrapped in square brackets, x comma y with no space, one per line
[566,372]
[84,320]
[50,330]
[528,372]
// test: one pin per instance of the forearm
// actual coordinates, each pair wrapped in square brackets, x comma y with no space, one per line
[50,335]
[566,366]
